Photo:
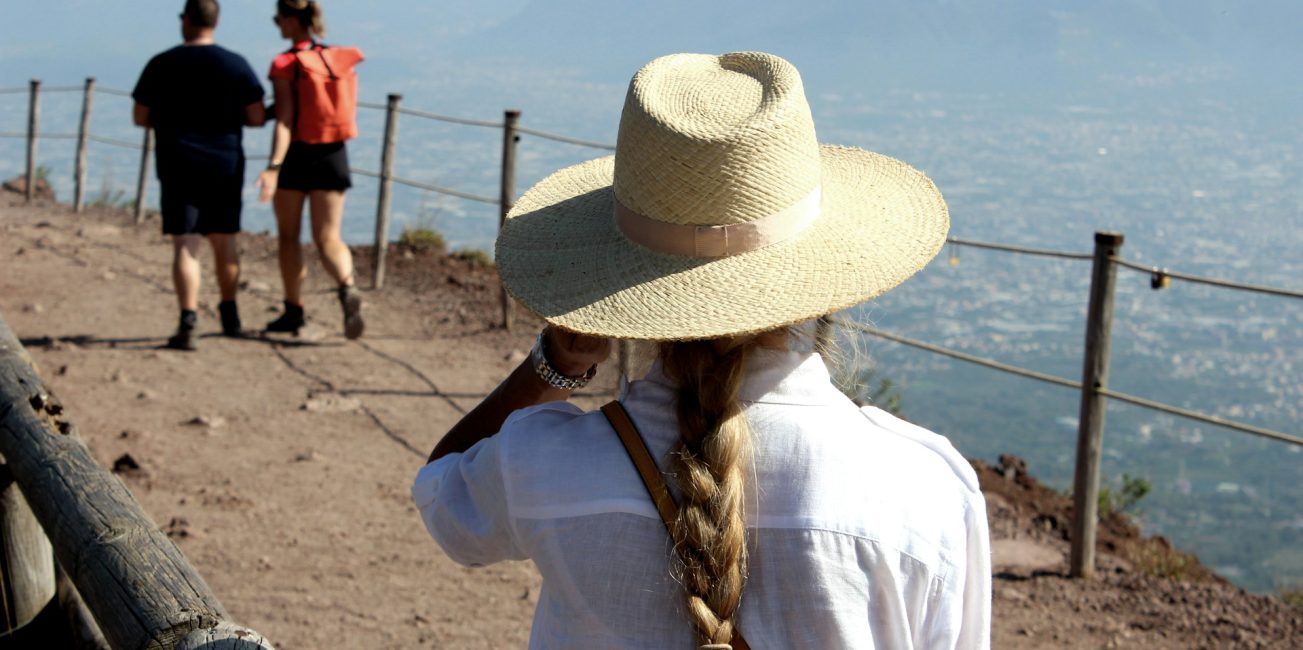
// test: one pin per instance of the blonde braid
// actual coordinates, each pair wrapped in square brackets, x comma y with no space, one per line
[708,464]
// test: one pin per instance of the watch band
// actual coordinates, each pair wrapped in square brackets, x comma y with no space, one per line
[273,166]
[550,375]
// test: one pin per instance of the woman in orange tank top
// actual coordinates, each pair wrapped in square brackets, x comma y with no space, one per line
[311,170]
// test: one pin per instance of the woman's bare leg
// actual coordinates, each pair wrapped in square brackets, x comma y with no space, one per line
[288,205]
[326,208]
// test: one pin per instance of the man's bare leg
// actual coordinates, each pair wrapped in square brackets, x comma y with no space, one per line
[226,259]
[185,280]
[288,205]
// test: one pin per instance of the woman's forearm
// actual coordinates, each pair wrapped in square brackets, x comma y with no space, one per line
[568,353]
[280,142]
[520,389]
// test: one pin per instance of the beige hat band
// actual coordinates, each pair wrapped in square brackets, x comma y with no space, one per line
[723,240]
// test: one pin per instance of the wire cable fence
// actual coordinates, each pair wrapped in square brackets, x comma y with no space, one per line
[567,139]
[1105,260]
[1068,383]
[1093,386]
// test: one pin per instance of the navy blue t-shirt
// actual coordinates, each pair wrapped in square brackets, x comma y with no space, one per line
[196,96]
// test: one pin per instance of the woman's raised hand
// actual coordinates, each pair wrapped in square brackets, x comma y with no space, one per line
[573,354]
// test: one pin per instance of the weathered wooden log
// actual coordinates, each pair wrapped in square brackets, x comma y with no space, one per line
[82,629]
[225,636]
[26,560]
[141,589]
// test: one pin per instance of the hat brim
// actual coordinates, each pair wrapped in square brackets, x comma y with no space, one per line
[561,255]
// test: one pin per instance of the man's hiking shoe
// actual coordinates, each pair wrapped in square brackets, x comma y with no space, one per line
[291,321]
[230,319]
[184,339]
[351,302]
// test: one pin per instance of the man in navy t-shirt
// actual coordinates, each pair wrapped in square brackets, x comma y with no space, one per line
[198,97]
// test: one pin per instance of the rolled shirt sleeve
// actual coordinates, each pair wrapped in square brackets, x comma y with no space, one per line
[975,625]
[462,500]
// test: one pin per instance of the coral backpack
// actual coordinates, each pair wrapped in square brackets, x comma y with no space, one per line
[325,93]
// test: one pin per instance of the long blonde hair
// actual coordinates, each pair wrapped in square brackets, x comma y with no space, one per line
[709,466]
[308,13]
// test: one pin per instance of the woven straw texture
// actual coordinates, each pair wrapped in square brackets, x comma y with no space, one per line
[716,140]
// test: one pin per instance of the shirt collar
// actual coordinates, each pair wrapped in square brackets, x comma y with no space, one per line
[773,377]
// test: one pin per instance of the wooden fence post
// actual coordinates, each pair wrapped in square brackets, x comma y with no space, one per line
[507,197]
[26,559]
[33,134]
[83,139]
[1090,426]
[142,184]
[386,186]
[141,589]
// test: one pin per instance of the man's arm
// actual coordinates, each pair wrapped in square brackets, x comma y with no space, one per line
[140,115]
[255,114]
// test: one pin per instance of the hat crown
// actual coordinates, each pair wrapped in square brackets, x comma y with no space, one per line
[715,140]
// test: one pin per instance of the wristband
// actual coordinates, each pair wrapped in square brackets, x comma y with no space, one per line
[273,166]
[550,375]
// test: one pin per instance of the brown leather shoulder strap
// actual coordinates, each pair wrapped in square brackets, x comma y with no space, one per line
[643,461]
[651,478]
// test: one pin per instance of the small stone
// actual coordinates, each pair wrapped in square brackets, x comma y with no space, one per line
[305,456]
[331,403]
[109,275]
[34,308]
[178,528]
[215,422]
[255,286]
[145,394]
[127,466]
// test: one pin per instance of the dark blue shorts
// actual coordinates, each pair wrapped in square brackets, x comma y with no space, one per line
[201,206]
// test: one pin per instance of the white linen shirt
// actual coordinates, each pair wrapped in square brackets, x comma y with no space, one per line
[865,531]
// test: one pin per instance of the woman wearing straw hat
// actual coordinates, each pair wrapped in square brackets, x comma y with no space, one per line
[793,518]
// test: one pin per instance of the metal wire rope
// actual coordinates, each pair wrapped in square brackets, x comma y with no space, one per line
[566,139]
[448,118]
[1225,284]
[1030,374]
[115,142]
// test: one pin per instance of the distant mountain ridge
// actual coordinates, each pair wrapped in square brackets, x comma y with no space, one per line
[932,43]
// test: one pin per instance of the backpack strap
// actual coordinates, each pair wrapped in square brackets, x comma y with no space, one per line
[654,482]
[314,45]
[294,87]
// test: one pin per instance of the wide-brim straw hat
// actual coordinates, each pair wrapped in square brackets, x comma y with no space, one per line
[719,214]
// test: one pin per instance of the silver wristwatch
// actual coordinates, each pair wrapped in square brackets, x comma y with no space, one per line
[545,371]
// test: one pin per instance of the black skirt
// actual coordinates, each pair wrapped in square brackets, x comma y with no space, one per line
[310,167]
